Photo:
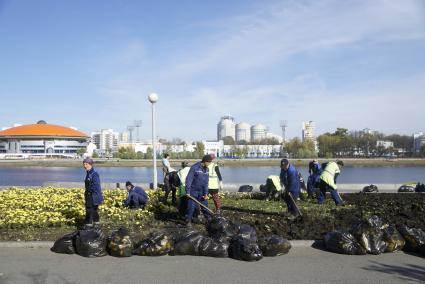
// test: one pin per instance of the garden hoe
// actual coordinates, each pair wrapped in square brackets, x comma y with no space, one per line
[200,204]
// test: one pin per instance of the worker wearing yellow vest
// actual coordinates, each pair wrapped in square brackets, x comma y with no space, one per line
[273,187]
[182,174]
[328,182]
[215,183]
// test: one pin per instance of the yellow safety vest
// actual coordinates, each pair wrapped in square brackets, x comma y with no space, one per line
[182,174]
[276,182]
[212,177]
[328,174]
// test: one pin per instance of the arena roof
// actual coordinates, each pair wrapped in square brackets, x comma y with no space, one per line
[41,130]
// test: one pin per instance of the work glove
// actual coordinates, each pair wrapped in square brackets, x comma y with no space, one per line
[220,185]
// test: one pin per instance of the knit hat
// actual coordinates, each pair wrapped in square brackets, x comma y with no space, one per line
[128,183]
[284,162]
[206,159]
[88,161]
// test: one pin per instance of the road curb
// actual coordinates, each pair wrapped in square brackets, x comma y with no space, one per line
[45,244]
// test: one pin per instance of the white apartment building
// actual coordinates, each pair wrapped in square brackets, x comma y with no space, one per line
[106,140]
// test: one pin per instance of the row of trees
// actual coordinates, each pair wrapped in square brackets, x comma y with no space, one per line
[341,143]
[130,153]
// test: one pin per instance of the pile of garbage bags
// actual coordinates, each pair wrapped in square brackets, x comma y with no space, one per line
[222,239]
[373,236]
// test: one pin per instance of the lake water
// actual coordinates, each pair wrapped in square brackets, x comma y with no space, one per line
[36,176]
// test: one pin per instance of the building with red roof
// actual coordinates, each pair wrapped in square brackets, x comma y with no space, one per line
[42,138]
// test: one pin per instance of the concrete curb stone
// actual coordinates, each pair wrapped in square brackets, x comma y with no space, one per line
[46,244]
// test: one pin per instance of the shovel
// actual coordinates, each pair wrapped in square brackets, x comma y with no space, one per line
[200,204]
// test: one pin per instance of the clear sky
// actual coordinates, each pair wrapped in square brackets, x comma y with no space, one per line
[91,64]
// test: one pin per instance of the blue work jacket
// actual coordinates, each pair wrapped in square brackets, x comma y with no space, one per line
[290,179]
[197,180]
[93,190]
[136,197]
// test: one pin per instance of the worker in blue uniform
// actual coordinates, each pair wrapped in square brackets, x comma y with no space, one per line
[197,187]
[314,171]
[290,180]
[92,195]
[136,198]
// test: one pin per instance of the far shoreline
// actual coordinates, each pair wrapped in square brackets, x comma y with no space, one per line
[375,162]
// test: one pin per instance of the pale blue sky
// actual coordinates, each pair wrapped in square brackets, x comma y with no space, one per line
[92,64]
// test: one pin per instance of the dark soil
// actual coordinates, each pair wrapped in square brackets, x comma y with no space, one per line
[271,217]
[408,209]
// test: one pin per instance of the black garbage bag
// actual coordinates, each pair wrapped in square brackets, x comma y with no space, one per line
[210,247]
[90,243]
[343,242]
[393,239]
[246,232]
[420,187]
[188,245]
[415,238]
[406,188]
[245,188]
[120,243]
[274,245]
[155,245]
[65,244]
[243,249]
[369,233]
[370,189]
[220,228]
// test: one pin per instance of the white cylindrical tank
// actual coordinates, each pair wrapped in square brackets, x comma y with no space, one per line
[258,132]
[243,132]
[226,127]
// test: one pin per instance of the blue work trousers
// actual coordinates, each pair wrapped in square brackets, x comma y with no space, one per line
[191,206]
[323,186]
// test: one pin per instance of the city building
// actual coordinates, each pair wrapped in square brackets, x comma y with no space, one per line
[214,147]
[243,132]
[418,142]
[106,141]
[226,127]
[258,132]
[40,139]
[385,144]
[308,129]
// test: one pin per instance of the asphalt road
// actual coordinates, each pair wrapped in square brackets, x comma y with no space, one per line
[301,265]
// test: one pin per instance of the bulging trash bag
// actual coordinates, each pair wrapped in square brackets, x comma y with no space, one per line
[189,244]
[155,245]
[220,228]
[393,239]
[369,233]
[245,188]
[274,245]
[246,232]
[90,243]
[120,243]
[370,189]
[406,188]
[343,242]
[415,238]
[243,249]
[420,187]
[65,244]
[213,248]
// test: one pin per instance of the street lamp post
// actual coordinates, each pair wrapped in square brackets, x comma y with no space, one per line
[153,98]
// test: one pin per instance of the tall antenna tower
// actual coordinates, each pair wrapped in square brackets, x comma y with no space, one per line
[137,124]
[283,125]
[130,129]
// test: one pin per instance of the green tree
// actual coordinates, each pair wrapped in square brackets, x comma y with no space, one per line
[95,155]
[149,153]
[81,151]
[228,140]
[199,149]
